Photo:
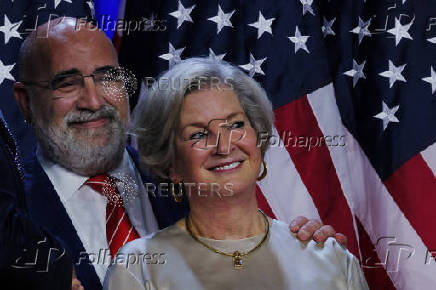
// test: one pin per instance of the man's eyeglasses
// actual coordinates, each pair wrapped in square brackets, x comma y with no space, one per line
[112,82]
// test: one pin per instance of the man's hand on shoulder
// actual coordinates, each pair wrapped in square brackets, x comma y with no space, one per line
[313,228]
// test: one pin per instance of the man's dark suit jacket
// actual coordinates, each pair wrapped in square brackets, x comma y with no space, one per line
[46,207]
[25,249]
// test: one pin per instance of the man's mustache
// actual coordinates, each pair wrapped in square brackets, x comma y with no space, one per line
[105,111]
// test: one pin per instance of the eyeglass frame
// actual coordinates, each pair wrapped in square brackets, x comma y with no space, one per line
[103,69]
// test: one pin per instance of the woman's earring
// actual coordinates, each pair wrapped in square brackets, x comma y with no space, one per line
[179,196]
[264,172]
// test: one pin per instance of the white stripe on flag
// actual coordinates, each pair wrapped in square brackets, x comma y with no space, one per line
[429,156]
[283,188]
[372,203]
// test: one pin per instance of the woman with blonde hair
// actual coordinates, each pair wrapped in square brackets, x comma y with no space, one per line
[201,132]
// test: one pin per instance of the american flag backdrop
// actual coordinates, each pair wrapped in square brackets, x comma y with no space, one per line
[18,18]
[353,85]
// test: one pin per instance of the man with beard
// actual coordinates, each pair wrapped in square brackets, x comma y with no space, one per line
[81,132]
[81,126]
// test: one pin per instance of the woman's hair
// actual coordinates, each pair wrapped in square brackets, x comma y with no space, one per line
[157,115]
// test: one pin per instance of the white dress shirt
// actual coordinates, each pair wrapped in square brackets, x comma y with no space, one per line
[87,208]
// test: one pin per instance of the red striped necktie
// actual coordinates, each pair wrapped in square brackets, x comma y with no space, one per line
[119,229]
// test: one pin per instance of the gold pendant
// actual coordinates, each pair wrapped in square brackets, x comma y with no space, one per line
[237,261]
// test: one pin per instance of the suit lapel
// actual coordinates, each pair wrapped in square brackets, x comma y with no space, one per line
[46,208]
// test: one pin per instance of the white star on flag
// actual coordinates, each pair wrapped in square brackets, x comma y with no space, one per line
[91,7]
[182,14]
[222,19]
[263,25]
[431,80]
[299,40]
[432,40]
[327,27]
[388,115]
[362,29]
[307,6]
[215,57]
[394,73]
[356,72]
[400,31]
[254,66]
[5,72]
[10,29]
[57,2]
[173,55]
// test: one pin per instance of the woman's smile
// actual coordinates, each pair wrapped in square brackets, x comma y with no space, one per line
[227,166]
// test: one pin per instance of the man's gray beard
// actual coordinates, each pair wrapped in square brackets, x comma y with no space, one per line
[71,148]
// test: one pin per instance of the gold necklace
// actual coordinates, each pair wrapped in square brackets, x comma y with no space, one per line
[237,256]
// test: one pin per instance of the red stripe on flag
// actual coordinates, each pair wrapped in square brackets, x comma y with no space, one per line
[375,274]
[262,203]
[315,166]
[413,187]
